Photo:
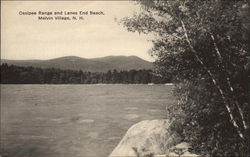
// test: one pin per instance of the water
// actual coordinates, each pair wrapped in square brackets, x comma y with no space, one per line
[74,120]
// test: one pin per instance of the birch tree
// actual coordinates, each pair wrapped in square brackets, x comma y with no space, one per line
[204,46]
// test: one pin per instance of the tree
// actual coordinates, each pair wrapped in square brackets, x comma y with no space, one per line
[109,76]
[203,46]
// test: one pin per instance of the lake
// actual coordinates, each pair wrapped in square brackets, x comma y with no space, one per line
[75,120]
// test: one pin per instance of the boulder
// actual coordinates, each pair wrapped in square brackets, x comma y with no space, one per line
[146,138]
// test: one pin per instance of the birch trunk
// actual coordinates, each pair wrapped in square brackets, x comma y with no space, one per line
[229,82]
[232,119]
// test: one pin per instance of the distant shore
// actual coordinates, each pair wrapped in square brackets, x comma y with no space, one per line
[11,74]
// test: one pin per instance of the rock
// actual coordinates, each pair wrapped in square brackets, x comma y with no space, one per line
[182,150]
[146,138]
[186,154]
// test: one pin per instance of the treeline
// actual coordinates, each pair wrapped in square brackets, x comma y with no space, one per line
[11,74]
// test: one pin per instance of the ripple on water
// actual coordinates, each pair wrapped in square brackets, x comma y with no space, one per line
[131,116]
[153,110]
[59,120]
[114,138]
[26,137]
[86,121]
[93,135]
[131,108]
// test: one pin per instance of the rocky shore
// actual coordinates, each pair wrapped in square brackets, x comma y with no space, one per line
[150,138]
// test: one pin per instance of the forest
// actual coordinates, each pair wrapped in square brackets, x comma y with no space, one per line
[11,74]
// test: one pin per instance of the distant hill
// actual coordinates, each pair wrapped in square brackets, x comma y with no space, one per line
[102,64]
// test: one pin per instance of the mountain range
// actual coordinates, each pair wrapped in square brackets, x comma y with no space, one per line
[102,64]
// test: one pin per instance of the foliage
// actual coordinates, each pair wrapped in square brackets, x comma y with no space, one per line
[30,75]
[204,46]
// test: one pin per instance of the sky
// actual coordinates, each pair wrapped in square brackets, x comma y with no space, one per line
[26,37]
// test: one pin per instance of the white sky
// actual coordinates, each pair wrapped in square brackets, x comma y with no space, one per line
[26,37]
